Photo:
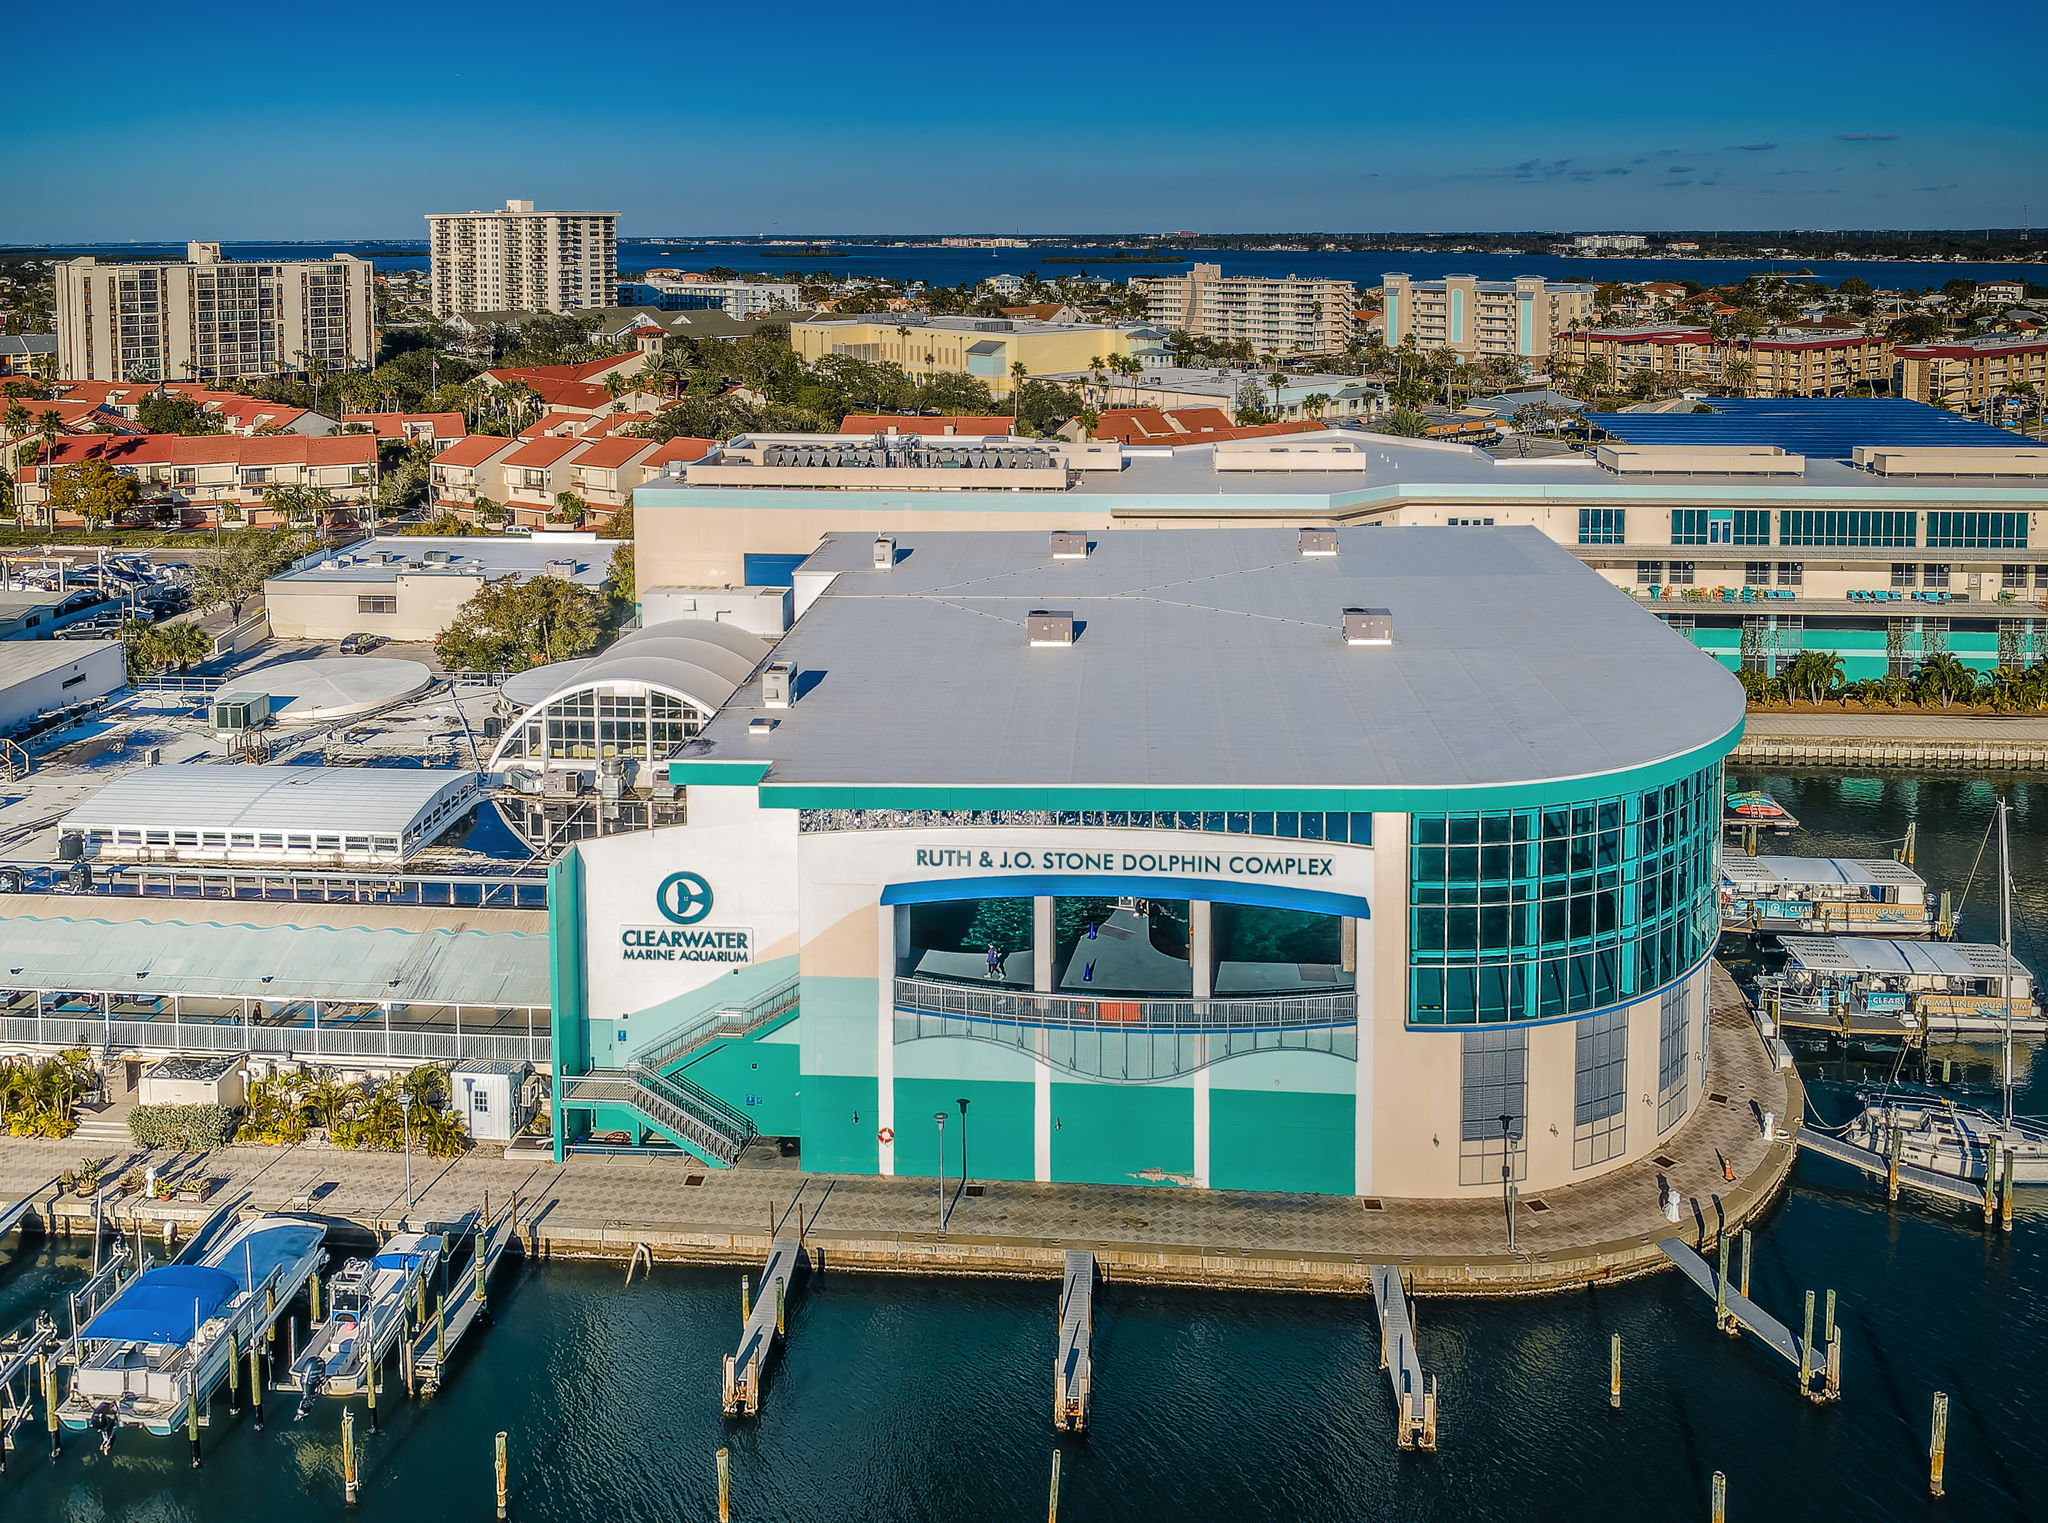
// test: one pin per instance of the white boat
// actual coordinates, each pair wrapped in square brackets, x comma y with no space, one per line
[1952,1139]
[165,1340]
[1871,986]
[368,1316]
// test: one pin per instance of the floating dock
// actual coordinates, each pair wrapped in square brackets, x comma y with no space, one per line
[1073,1367]
[1414,1392]
[764,1328]
[461,1305]
[1734,1310]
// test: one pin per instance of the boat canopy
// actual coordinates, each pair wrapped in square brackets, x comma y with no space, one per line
[1756,874]
[1853,955]
[164,1305]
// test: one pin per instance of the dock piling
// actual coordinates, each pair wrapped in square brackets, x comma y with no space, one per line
[1991,1182]
[313,1299]
[746,1301]
[1746,1246]
[781,1306]
[2005,1190]
[1937,1445]
[1722,1320]
[370,1388]
[724,1486]
[1720,1497]
[499,1467]
[255,1389]
[348,1456]
[1614,1373]
[1052,1501]
[1894,1140]
[1806,1349]
[49,1372]
[192,1422]
[234,1375]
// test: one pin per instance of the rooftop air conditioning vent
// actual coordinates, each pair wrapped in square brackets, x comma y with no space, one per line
[762,725]
[885,552]
[1069,544]
[566,570]
[438,557]
[1043,626]
[776,682]
[1318,542]
[1368,626]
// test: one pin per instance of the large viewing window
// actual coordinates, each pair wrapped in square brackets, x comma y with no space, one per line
[1536,914]
[1854,528]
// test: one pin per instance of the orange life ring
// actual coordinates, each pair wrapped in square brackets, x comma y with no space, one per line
[886,1135]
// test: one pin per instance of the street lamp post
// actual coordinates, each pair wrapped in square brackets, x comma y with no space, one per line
[1507,1174]
[405,1125]
[962,1103]
[940,1118]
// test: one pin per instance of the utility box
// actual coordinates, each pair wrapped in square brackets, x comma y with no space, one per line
[491,1099]
[192,1081]
[230,712]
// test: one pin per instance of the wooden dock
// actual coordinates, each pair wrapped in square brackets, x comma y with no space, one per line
[1870,1162]
[764,1329]
[461,1306]
[1414,1392]
[1073,1367]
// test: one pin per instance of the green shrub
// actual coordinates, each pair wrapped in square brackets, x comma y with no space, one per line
[187,1128]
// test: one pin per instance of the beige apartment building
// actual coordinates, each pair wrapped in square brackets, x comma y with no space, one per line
[1484,319]
[1971,372]
[1790,362]
[521,477]
[984,347]
[1292,314]
[521,260]
[206,318]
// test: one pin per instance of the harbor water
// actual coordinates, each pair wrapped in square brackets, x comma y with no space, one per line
[901,1400]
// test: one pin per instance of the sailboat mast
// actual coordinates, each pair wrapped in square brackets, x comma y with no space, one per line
[2005,945]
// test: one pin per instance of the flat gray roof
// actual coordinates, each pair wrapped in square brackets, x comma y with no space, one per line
[1845,872]
[23,660]
[1215,657]
[474,555]
[228,796]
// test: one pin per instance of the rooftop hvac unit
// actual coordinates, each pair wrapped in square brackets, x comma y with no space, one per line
[1368,626]
[1069,544]
[238,711]
[562,783]
[494,726]
[1044,626]
[776,682]
[438,557]
[566,570]
[1318,542]
[885,552]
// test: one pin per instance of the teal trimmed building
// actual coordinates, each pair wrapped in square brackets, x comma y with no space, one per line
[1344,861]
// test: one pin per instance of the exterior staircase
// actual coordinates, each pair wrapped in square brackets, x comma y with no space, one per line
[104,1131]
[691,1118]
[688,1115]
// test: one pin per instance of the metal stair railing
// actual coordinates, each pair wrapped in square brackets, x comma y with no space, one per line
[708,1125]
[734,1021]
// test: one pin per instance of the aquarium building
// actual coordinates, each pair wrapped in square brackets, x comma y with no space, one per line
[1354,861]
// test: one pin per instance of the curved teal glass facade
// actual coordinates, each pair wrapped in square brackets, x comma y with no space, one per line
[1547,913]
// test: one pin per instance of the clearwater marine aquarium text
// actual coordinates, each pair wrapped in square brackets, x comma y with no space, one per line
[1245,864]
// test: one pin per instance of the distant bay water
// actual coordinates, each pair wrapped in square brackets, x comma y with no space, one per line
[953,266]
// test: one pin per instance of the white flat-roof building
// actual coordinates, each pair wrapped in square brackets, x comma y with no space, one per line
[517,259]
[409,587]
[287,815]
[38,677]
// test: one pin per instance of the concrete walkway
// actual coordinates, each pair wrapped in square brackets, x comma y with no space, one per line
[603,1206]
[1915,725]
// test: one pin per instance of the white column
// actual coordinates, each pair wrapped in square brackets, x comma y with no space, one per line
[1202,948]
[1042,948]
[886,917]
[1201,1095]
[1041,1119]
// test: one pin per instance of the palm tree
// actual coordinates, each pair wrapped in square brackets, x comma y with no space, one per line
[1279,384]
[1017,373]
[1817,673]
[1943,678]
[1315,404]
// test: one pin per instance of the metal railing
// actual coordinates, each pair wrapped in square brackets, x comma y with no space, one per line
[524,890]
[733,1021]
[716,1131]
[1273,1012]
[335,1043]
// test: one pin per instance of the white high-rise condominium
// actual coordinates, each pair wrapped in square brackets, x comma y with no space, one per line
[522,260]
[206,318]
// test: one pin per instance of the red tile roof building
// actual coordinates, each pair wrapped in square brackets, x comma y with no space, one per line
[1186,425]
[884,423]
[196,480]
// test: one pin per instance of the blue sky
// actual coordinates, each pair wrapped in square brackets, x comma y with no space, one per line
[332,121]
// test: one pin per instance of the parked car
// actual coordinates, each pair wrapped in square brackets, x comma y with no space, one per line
[356,645]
